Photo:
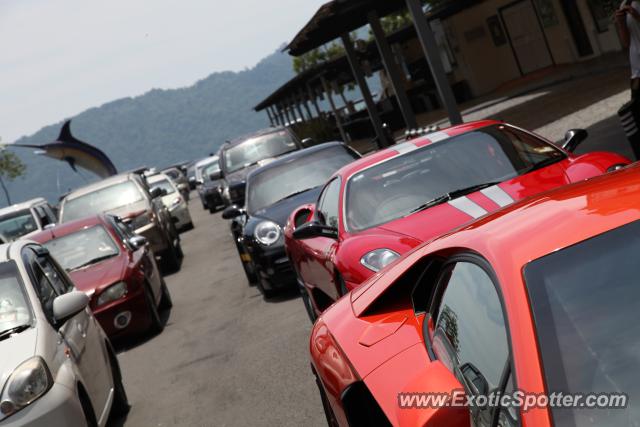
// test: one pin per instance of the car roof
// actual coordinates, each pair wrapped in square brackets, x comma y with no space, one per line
[157,178]
[205,161]
[22,206]
[401,147]
[116,179]
[67,228]
[295,155]
[256,134]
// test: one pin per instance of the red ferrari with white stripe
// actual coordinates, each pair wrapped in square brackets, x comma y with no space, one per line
[381,206]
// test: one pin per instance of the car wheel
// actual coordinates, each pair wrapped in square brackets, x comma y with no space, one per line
[171,260]
[341,284]
[156,323]
[328,411]
[212,210]
[308,305]
[166,302]
[249,270]
[120,405]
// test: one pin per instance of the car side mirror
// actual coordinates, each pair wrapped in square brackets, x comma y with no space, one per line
[232,211]
[573,138]
[307,142]
[157,192]
[215,176]
[68,305]
[137,242]
[313,229]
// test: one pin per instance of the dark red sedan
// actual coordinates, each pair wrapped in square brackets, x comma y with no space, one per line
[116,268]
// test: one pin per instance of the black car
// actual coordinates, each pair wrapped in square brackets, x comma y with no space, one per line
[211,189]
[241,156]
[273,192]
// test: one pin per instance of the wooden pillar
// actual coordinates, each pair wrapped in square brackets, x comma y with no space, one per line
[327,90]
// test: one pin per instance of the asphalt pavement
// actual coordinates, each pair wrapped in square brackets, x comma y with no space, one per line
[226,356]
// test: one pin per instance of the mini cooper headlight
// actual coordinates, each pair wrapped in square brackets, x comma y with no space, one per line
[378,259]
[112,293]
[27,383]
[267,233]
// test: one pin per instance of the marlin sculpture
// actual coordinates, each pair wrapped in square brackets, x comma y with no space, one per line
[76,153]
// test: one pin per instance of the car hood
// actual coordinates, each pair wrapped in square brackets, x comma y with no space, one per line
[439,219]
[15,350]
[279,212]
[124,211]
[98,276]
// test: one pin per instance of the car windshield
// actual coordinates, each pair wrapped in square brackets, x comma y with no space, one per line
[208,170]
[300,174]
[172,173]
[397,187]
[14,308]
[255,149]
[83,248]
[16,225]
[102,200]
[584,301]
[164,185]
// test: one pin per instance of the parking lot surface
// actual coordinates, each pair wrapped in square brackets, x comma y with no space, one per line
[226,357]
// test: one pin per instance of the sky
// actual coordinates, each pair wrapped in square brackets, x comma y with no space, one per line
[58,58]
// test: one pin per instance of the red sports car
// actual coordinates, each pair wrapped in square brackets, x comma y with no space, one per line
[537,302]
[115,267]
[379,207]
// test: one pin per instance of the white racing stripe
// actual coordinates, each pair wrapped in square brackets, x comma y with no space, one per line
[497,195]
[437,136]
[468,206]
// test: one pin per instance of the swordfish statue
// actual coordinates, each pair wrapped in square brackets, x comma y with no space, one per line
[76,153]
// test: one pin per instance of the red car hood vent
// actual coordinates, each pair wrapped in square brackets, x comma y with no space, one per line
[382,329]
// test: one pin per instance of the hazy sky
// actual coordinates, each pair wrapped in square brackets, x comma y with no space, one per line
[60,57]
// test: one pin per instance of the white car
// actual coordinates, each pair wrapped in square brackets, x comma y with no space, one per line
[57,367]
[173,200]
[25,218]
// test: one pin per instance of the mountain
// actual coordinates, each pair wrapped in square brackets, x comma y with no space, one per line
[157,128]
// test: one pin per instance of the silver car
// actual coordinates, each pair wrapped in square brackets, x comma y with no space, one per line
[57,367]
[173,200]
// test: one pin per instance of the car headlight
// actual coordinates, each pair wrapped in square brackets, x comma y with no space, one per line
[27,383]
[378,259]
[176,202]
[267,233]
[616,167]
[112,293]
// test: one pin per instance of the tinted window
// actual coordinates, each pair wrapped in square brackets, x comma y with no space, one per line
[16,225]
[585,301]
[102,200]
[396,187]
[295,176]
[83,248]
[329,201]
[470,327]
[255,149]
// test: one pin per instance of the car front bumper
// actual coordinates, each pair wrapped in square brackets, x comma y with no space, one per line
[59,407]
[273,267]
[127,316]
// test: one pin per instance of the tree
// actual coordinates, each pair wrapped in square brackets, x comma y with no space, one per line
[11,167]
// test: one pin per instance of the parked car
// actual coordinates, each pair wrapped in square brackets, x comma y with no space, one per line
[387,203]
[539,297]
[115,268]
[128,196]
[241,156]
[180,180]
[173,201]
[57,367]
[196,178]
[273,191]
[25,218]
[210,191]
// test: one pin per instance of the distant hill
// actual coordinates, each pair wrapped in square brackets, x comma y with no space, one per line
[157,128]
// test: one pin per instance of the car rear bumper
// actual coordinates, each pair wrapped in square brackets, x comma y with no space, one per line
[125,317]
[59,407]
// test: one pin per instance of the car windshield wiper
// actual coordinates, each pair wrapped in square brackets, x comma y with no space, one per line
[92,261]
[295,194]
[454,194]
[6,334]
[543,163]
